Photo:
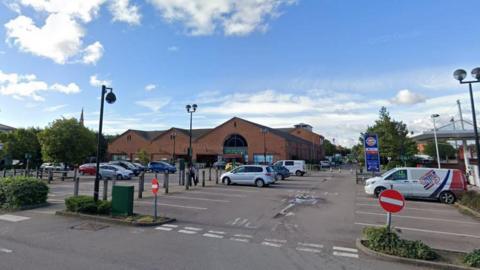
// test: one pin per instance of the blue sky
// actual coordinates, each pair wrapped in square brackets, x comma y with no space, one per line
[329,63]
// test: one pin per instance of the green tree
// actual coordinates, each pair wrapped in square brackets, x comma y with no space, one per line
[445,150]
[143,156]
[330,149]
[66,140]
[22,141]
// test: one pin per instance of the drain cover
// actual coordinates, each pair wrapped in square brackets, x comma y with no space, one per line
[89,226]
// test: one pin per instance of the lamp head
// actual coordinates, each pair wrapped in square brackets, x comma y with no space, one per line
[110,98]
[435,115]
[188,107]
[460,74]
[194,107]
[476,73]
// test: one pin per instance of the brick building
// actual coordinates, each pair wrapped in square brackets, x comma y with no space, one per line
[237,139]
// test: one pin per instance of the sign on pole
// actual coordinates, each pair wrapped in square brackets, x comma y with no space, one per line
[155,188]
[391,201]
[372,155]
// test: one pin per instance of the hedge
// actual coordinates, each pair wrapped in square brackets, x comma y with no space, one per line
[87,205]
[381,240]
[17,192]
[473,258]
[471,199]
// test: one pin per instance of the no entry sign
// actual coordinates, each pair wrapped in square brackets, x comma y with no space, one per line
[155,185]
[391,200]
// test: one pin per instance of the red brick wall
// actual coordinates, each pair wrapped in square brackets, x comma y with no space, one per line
[129,143]
[162,146]
[317,152]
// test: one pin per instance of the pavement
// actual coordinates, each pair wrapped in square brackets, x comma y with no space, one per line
[228,227]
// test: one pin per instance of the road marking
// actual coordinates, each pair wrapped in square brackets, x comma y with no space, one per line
[354,250]
[192,228]
[163,228]
[310,245]
[170,225]
[344,254]
[240,239]
[284,210]
[219,194]
[198,199]
[187,232]
[408,208]
[420,230]
[216,232]
[4,250]
[173,205]
[308,249]
[275,240]
[212,235]
[423,218]
[234,189]
[52,212]
[56,201]
[13,218]
[243,235]
[391,201]
[271,244]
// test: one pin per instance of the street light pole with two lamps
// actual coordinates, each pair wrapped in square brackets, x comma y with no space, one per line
[190,109]
[433,116]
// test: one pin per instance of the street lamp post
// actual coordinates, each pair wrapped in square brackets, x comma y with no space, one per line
[190,109]
[110,98]
[460,75]
[435,136]
[264,131]
[172,137]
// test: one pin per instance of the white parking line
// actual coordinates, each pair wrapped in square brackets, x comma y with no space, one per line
[170,225]
[234,189]
[187,232]
[212,235]
[354,250]
[310,245]
[4,250]
[271,244]
[198,199]
[240,239]
[408,208]
[163,228]
[423,218]
[193,228]
[420,230]
[344,254]
[216,232]
[173,205]
[219,194]
[275,240]
[243,235]
[308,249]
[13,218]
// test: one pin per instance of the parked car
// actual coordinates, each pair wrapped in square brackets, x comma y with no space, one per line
[445,185]
[161,167]
[53,166]
[296,167]
[139,166]
[126,165]
[120,172]
[87,169]
[220,164]
[281,172]
[107,172]
[325,164]
[257,175]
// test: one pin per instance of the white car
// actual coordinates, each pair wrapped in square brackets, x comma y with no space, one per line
[296,167]
[257,175]
[427,183]
[52,166]
[120,172]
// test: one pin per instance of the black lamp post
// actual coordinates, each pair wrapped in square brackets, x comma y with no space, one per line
[110,98]
[264,131]
[460,75]
[172,137]
[190,109]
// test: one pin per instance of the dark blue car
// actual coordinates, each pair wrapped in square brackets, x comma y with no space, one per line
[161,167]
[281,172]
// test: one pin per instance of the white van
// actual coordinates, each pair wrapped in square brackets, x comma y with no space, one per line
[296,167]
[427,183]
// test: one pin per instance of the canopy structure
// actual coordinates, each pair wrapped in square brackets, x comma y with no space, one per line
[452,131]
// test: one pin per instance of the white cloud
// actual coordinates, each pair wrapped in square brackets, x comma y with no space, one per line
[22,86]
[95,82]
[92,53]
[124,12]
[407,97]
[150,87]
[152,104]
[173,49]
[54,108]
[81,9]
[203,17]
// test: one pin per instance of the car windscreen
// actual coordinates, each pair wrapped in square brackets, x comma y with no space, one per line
[269,169]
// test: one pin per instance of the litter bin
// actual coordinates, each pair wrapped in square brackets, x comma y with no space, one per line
[122,200]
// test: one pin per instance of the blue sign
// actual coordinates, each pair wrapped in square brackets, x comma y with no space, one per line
[372,155]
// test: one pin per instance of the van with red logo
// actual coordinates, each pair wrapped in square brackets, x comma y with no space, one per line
[445,185]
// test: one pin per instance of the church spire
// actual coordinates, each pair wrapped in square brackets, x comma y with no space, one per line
[81,118]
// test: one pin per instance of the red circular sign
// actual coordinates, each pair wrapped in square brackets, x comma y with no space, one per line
[155,185]
[391,200]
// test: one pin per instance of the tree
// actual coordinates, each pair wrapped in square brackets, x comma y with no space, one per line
[66,140]
[20,142]
[445,150]
[392,140]
[143,156]
[330,149]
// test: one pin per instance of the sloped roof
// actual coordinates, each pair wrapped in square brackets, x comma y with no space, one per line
[5,128]
[288,130]
[149,135]
[278,132]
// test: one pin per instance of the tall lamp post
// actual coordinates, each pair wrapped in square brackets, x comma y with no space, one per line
[190,109]
[264,132]
[460,75]
[110,98]
[435,136]
[173,135]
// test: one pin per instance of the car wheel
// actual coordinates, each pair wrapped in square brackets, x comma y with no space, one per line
[447,197]
[378,190]
[259,183]
[283,177]
[227,181]
[298,173]
[119,177]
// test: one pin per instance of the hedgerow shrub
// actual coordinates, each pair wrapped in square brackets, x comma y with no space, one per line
[473,258]
[19,191]
[87,205]
[471,199]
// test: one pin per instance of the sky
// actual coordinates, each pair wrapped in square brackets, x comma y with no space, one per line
[329,63]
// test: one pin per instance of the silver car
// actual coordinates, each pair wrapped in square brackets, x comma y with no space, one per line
[257,175]
[110,171]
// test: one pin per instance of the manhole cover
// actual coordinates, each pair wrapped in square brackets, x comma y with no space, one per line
[89,226]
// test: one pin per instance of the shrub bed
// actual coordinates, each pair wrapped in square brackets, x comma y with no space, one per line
[17,192]
[87,205]
[472,259]
[471,199]
[381,240]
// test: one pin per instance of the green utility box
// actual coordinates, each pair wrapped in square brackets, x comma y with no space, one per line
[122,200]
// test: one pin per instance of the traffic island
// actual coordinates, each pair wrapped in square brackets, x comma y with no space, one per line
[134,220]
[386,245]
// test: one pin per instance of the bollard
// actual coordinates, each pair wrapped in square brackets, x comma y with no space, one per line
[156,175]
[210,174]
[203,178]
[183,177]
[41,174]
[187,183]
[216,176]
[105,190]
[165,182]
[14,172]
[36,176]
[4,172]
[75,184]
[50,176]
[141,181]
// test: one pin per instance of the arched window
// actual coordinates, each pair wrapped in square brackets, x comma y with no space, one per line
[235,140]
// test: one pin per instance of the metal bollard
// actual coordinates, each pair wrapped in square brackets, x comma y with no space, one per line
[105,190]
[156,175]
[14,172]
[4,173]
[75,184]
[210,174]
[216,177]
[50,176]
[141,181]
[187,182]
[183,177]
[165,182]
[203,178]
[36,176]
[41,174]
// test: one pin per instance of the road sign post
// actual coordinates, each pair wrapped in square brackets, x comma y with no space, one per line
[391,201]
[155,188]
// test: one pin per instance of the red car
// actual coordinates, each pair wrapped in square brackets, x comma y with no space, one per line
[88,169]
